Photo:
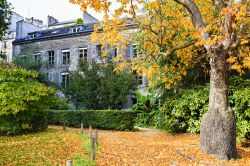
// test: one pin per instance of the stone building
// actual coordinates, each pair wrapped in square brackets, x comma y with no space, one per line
[29,25]
[61,46]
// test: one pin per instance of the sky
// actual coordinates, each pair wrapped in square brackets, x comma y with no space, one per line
[40,9]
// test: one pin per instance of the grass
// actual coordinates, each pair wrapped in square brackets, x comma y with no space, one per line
[51,147]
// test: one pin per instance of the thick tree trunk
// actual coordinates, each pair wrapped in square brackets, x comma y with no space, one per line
[218,128]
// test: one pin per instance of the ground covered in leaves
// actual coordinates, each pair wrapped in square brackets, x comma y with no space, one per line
[145,147]
[154,148]
[51,147]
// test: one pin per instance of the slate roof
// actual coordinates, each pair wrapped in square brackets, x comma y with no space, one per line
[56,33]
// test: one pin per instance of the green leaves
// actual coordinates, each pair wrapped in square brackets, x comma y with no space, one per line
[19,90]
[182,112]
[99,87]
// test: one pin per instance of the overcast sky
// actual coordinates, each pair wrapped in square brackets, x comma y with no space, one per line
[40,9]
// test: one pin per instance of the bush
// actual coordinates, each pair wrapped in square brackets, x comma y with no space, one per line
[103,119]
[240,101]
[13,124]
[183,112]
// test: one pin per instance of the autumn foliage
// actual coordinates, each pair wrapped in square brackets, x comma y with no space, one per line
[167,39]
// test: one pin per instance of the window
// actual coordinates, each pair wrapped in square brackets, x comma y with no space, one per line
[66,57]
[50,76]
[99,50]
[32,36]
[83,53]
[51,58]
[23,58]
[134,51]
[74,30]
[115,52]
[37,56]
[65,80]
[4,44]
[138,78]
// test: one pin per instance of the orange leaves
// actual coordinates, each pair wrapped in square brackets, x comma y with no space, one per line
[150,147]
[45,148]
[231,59]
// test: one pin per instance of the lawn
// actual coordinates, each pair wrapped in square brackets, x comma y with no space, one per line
[51,147]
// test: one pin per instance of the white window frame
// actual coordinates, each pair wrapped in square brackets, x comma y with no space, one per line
[51,63]
[67,61]
[66,82]
[36,55]
[83,56]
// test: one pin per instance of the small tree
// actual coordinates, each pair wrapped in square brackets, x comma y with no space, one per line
[5,16]
[99,87]
[22,98]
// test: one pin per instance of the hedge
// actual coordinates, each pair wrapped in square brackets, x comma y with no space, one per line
[103,119]
[14,124]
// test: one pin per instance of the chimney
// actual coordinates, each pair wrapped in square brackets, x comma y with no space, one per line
[51,20]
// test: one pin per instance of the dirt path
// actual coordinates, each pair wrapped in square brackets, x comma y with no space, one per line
[148,147]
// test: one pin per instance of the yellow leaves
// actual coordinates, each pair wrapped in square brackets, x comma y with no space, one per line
[246,63]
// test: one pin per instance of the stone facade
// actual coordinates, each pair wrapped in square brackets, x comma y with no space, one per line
[58,47]
[61,49]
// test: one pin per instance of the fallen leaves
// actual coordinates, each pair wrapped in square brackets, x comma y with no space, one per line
[52,147]
[155,148]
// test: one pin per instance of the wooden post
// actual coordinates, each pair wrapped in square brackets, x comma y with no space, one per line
[82,129]
[90,131]
[64,127]
[92,157]
[69,163]
[96,137]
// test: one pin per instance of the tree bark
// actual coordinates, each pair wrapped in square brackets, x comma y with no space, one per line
[218,128]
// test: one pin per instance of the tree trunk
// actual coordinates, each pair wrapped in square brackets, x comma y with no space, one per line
[218,128]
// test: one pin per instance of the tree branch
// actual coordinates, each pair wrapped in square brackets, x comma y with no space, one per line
[171,51]
[220,4]
[196,17]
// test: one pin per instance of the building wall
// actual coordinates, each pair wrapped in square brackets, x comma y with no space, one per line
[6,45]
[23,28]
[70,43]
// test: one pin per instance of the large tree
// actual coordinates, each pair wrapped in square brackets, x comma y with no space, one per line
[220,26]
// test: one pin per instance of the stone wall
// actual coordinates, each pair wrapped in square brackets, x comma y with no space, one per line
[58,45]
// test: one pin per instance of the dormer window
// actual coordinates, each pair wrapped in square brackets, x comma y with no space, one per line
[74,30]
[32,36]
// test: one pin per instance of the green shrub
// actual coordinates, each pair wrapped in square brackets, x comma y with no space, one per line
[103,119]
[39,121]
[13,124]
[147,109]
[183,112]
[240,102]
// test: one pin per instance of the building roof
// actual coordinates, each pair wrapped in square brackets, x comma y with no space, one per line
[56,33]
